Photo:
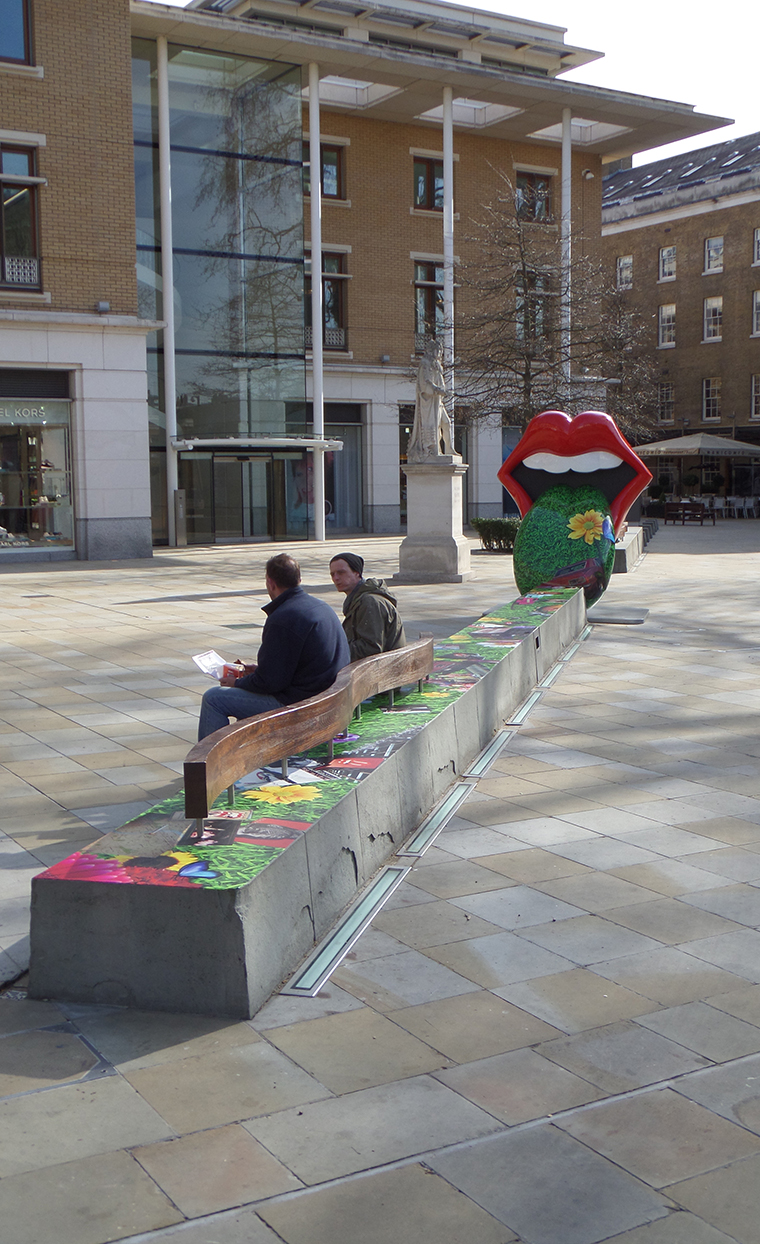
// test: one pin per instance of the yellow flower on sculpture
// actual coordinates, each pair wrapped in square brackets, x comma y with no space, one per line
[588,526]
[282,794]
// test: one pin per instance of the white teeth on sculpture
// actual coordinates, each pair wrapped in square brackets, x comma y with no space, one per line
[597,460]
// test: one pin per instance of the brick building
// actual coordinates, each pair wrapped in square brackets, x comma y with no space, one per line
[408,109]
[72,347]
[683,235]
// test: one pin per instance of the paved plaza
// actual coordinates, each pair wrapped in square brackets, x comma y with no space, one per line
[551,1033]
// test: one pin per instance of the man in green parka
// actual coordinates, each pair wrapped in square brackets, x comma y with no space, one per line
[370,616]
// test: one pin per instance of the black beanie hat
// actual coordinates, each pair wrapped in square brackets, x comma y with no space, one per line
[352,560]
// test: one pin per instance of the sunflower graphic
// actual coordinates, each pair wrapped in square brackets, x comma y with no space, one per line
[282,794]
[588,526]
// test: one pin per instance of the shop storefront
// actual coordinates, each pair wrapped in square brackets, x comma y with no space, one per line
[35,464]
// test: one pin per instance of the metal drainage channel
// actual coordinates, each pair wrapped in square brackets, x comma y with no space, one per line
[333,949]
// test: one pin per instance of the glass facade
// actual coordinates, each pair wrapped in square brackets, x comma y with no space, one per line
[238,273]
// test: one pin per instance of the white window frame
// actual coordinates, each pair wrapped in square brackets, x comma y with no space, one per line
[21,277]
[334,339]
[624,262]
[711,388]
[712,318]
[667,253]
[756,313]
[669,401]
[666,326]
[756,249]
[422,333]
[754,407]
[667,467]
[713,246]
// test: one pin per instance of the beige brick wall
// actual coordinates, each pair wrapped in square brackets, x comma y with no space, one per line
[83,106]
[737,356]
[382,231]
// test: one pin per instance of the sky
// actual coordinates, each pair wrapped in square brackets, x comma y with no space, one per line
[694,55]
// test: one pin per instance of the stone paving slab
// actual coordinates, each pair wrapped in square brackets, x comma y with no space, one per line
[370,1128]
[405,1204]
[590,1074]
[549,1188]
[660,1138]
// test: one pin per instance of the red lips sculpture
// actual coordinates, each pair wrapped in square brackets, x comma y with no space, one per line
[560,436]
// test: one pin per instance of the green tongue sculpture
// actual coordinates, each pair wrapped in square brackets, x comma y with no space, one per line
[574,481]
[566,540]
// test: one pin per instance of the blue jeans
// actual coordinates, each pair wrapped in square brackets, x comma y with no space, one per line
[221,703]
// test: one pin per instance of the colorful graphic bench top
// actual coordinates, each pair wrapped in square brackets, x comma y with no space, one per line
[269,811]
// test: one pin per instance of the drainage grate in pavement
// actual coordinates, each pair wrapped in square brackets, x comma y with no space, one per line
[548,679]
[519,717]
[491,753]
[437,820]
[333,950]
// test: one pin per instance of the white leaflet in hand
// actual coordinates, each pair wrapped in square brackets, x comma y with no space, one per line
[210,663]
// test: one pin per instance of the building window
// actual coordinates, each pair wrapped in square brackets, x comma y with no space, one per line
[333,170]
[754,409]
[711,398]
[712,329]
[334,281]
[710,472]
[667,474]
[20,255]
[428,302]
[533,308]
[756,247]
[533,197]
[428,184]
[624,272]
[713,254]
[667,263]
[15,32]
[666,325]
[756,313]
[666,402]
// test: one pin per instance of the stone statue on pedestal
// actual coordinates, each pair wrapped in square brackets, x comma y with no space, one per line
[435,549]
[431,419]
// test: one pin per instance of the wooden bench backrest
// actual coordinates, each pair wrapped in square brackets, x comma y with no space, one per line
[220,759]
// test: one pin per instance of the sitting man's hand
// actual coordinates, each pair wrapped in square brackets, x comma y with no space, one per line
[242,668]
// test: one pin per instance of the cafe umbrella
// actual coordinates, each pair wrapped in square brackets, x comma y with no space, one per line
[699,445]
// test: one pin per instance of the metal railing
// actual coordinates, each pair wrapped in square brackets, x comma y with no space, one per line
[333,338]
[21,271]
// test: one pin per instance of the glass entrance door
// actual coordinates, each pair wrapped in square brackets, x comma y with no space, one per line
[234,498]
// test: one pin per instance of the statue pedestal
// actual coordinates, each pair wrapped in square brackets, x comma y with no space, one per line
[435,550]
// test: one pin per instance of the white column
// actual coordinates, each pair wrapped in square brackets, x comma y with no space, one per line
[318,398]
[565,234]
[448,245]
[167,278]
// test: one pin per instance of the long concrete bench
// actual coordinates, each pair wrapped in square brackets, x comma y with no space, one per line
[215,763]
[144,918]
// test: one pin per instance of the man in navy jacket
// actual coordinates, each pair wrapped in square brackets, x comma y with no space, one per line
[303,647]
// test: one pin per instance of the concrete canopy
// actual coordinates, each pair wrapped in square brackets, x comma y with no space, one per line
[608,123]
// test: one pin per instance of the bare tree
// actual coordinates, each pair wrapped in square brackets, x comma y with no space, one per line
[512,358]
[626,358]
